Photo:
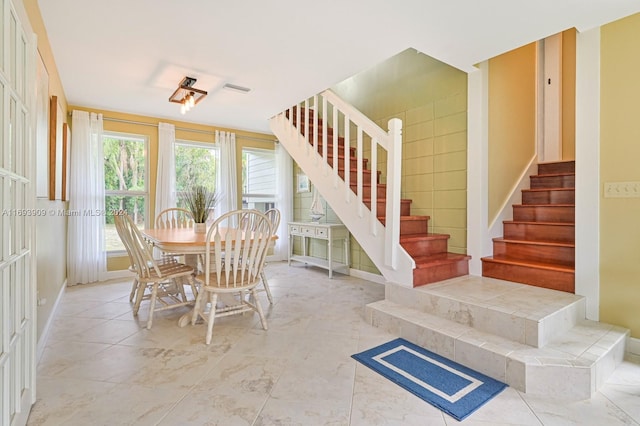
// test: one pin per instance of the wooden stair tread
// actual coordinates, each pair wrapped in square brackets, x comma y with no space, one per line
[381,200]
[529,263]
[548,189]
[525,222]
[544,205]
[534,242]
[439,259]
[410,217]
[423,236]
[554,174]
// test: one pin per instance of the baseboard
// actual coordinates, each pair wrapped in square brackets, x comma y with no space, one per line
[367,276]
[115,275]
[42,341]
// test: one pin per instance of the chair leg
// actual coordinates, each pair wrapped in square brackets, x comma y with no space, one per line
[179,283]
[140,289]
[152,306]
[134,287]
[196,306]
[265,283]
[194,288]
[263,320]
[212,317]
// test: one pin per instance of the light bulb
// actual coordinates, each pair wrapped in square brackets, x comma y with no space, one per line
[183,108]
[192,100]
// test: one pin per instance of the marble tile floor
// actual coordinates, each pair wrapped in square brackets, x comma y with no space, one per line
[101,366]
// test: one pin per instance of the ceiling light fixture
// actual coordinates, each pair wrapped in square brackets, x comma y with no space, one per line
[186,95]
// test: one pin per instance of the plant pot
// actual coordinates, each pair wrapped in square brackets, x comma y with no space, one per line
[200,228]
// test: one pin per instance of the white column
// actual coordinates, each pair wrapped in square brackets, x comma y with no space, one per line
[478,241]
[588,169]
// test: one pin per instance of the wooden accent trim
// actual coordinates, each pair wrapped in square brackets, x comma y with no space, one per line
[53,121]
[65,158]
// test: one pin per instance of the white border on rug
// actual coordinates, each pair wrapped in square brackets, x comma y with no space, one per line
[475,383]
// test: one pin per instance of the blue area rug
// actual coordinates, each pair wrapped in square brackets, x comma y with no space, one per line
[447,385]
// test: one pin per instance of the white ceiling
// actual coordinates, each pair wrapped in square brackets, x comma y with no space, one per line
[129,55]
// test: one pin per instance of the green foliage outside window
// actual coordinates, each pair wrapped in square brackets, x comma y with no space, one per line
[195,166]
[124,170]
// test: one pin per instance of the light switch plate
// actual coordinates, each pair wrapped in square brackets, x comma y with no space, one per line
[622,190]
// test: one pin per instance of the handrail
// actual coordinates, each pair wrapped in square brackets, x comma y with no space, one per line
[305,131]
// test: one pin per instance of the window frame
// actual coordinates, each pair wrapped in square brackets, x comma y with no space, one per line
[195,144]
[249,195]
[118,192]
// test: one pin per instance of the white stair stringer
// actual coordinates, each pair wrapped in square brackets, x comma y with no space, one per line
[362,224]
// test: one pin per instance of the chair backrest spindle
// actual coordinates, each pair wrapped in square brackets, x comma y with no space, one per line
[237,251]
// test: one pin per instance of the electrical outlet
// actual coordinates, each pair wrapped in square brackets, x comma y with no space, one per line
[622,190]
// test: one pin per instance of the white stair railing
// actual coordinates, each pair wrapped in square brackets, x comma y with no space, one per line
[343,189]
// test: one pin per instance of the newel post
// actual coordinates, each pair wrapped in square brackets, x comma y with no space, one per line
[394,173]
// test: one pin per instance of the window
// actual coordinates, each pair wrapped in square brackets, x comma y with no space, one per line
[125,178]
[258,179]
[196,164]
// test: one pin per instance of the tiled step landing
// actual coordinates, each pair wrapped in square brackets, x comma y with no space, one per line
[534,339]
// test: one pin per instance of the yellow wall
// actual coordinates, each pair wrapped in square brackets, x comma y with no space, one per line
[512,125]
[569,94]
[150,131]
[51,231]
[619,162]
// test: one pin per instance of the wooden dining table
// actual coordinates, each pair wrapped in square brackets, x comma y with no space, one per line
[191,244]
[180,240]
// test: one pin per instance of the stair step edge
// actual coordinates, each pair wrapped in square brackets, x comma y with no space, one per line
[543,205]
[534,242]
[441,325]
[382,200]
[527,222]
[408,218]
[530,264]
[424,236]
[554,174]
[548,189]
[439,259]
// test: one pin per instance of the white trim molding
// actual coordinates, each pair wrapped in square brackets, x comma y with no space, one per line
[478,241]
[587,265]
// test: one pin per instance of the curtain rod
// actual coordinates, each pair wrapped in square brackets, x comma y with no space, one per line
[206,132]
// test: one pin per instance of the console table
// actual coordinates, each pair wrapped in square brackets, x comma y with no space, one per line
[328,232]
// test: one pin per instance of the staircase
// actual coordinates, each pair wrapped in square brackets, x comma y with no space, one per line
[327,152]
[538,246]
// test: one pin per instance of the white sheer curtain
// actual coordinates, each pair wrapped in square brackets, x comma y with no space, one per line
[227,185]
[166,177]
[284,199]
[86,258]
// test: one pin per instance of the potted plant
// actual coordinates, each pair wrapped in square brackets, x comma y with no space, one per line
[199,200]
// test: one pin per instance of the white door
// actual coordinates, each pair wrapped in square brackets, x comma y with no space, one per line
[17,200]
[550,80]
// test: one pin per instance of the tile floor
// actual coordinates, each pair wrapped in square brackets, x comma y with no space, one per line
[101,366]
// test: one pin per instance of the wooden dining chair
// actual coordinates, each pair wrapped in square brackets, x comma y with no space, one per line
[235,251]
[174,217]
[160,283]
[274,217]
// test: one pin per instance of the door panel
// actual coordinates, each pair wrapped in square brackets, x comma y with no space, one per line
[17,284]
